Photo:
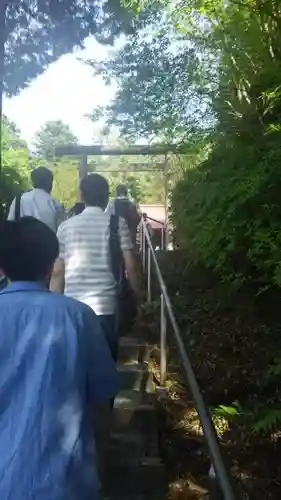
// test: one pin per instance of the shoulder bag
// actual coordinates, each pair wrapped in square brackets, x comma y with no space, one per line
[126,303]
[17,207]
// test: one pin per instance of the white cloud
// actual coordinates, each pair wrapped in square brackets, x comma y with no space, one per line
[66,91]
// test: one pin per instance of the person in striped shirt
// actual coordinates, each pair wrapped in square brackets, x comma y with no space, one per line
[83,270]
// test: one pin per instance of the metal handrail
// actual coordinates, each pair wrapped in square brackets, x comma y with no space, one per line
[146,217]
[221,470]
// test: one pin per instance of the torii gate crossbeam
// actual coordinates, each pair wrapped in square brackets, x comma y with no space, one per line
[135,150]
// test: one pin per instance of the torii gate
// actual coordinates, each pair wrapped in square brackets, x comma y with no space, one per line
[142,150]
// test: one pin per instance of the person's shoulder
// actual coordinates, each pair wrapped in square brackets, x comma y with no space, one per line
[55,204]
[68,224]
[27,195]
[70,304]
[58,205]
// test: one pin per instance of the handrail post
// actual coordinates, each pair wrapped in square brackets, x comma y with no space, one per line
[163,335]
[144,250]
[214,487]
[148,274]
[141,236]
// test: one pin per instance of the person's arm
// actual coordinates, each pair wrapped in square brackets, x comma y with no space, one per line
[137,215]
[11,214]
[58,275]
[110,209]
[60,214]
[57,279]
[130,261]
[102,380]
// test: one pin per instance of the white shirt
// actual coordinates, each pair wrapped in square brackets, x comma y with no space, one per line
[84,248]
[40,205]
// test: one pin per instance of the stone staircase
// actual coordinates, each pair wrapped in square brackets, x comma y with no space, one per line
[134,468]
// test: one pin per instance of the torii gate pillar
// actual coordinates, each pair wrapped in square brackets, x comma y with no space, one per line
[83,167]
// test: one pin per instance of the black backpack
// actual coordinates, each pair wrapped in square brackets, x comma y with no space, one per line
[127,210]
[126,303]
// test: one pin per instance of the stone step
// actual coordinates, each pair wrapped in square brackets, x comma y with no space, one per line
[132,350]
[130,402]
[126,449]
[136,377]
[135,412]
[144,482]
[125,405]
[134,469]
[145,419]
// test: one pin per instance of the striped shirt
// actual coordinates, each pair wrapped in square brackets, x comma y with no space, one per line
[84,247]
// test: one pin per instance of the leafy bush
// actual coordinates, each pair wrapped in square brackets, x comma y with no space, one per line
[267,421]
[15,175]
[227,211]
[12,182]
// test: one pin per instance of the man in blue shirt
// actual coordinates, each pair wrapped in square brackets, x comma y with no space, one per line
[55,370]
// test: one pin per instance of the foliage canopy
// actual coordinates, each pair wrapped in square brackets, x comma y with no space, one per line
[159,79]
[51,135]
[212,67]
[16,165]
[232,213]
[38,32]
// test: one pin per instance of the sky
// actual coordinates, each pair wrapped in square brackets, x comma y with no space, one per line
[67,91]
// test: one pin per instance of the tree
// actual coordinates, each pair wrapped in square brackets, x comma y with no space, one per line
[231,201]
[34,33]
[229,53]
[37,32]
[164,84]
[16,166]
[11,136]
[53,134]
[66,184]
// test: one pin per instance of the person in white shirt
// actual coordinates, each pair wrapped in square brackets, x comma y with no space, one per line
[38,202]
[85,267]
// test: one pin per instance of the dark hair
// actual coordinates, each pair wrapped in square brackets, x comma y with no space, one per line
[95,190]
[28,249]
[42,178]
[121,190]
[77,209]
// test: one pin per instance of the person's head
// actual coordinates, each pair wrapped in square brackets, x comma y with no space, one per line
[121,191]
[42,178]
[94,190]
[28,250]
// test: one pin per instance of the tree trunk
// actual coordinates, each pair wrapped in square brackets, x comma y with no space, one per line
[3,6]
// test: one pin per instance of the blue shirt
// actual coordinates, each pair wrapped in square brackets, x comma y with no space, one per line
[55,366]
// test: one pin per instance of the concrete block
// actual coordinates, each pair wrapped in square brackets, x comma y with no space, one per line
[132,376]
[125,405]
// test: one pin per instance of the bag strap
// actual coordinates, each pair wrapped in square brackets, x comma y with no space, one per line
[115,249]
[17,206]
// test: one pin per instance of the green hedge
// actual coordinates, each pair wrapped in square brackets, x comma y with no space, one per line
[14,178]
[227,211]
